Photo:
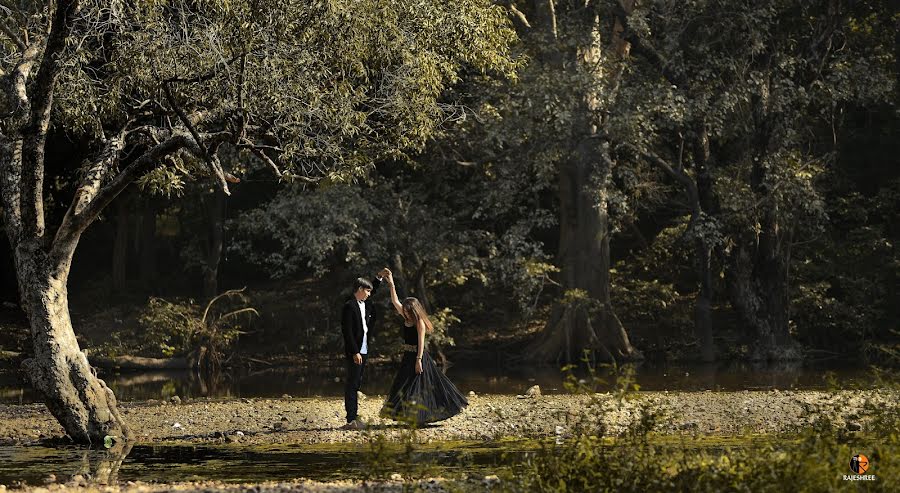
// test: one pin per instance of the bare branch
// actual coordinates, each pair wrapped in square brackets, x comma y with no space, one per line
[91,182]
[266,159]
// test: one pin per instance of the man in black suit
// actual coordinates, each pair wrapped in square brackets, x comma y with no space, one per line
[357,321]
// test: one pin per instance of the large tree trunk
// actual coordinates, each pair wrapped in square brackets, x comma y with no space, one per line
[759,265]
[585,320]
[58,369]
[758,278]
[146,244]
[216,216]
[703,249]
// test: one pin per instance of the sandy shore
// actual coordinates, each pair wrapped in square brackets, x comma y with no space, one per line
[317,420]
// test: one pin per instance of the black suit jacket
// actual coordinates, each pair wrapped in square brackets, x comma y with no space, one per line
[351,322]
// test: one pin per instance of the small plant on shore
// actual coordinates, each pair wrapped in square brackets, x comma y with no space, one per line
[208,333]
[589,456]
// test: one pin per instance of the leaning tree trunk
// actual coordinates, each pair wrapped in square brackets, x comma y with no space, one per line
[59,370]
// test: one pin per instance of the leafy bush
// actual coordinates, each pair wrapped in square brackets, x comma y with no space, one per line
[177,328]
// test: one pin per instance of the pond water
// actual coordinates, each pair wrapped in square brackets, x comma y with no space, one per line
[479,377]
[38,465]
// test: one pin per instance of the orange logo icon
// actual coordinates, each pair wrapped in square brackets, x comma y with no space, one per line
[859,464]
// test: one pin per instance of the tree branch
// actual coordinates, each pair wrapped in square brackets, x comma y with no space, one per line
[91,182]
[35,133]
[10,175]
[13,37]
[639,46]
[74,224]
[518,14]
[202,77]
[214,165]
[677,174]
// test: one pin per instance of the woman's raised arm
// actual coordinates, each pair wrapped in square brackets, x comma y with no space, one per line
[394,299]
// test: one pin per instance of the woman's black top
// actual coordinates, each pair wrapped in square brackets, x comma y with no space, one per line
[410,335]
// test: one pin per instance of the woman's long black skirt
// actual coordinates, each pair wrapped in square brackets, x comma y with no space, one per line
[422,398]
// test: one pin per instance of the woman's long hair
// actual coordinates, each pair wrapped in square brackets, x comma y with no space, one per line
[414,310]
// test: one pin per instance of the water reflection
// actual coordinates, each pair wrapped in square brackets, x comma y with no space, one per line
[39,465]
[478,377]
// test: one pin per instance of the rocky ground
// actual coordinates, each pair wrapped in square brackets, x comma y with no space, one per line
[317,420]
[288,420]
[299,486]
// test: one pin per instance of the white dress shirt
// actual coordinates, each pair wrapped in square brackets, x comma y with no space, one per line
[362,312]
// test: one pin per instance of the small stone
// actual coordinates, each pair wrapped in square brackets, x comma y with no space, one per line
[471,393]
[51,478]
[491,480]
[360,396]
[278,426]
[533,391]
[239,433]
[853,426]
[175,400]
[285,396]
[232,438]
[396,477]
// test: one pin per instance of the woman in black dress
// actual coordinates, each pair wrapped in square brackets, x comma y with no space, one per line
[421,393]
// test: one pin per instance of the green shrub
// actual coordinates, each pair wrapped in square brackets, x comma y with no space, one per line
[815,458]
[173,328]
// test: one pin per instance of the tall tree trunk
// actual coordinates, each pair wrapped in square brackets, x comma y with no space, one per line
[216,216]
[146,239]
[120,247]
[703,324]
[58,369]
[703,249]
[759,265]
[585,320]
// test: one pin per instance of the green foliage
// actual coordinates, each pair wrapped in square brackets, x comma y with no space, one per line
[843,296]
[330,86]
[168,327]
[587,457]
